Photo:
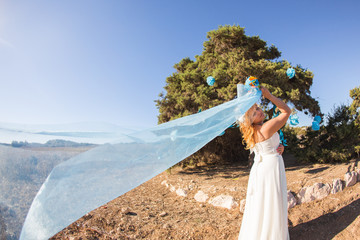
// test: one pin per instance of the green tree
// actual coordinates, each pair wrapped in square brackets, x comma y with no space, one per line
[230,57]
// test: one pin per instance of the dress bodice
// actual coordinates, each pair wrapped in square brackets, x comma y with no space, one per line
[268,146]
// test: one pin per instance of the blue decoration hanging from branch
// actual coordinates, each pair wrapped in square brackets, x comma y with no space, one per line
[316,123]
[317,118]
[294,120]
[290,72]
[210,80]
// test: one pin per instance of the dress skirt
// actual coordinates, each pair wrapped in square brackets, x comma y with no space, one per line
[265,216]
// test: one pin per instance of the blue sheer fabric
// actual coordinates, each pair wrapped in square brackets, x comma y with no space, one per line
[97,176]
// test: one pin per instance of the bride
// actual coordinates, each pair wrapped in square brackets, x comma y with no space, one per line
[265,216]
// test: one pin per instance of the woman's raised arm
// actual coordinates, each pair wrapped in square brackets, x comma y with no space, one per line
[273,125]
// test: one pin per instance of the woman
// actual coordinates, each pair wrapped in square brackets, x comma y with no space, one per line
[265,215]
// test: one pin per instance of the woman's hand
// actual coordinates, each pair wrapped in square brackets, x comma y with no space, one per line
[265,92]
[280,149]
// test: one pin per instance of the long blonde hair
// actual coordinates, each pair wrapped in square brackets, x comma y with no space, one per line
[247,129]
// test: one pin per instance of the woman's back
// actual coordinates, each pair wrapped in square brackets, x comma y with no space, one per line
[267,146]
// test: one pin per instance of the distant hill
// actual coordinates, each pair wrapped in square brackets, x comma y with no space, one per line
[50,143]
[89,132]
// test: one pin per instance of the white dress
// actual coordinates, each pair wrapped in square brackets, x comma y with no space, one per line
[265,215]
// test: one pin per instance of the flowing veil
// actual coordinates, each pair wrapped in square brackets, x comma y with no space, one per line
[93,178]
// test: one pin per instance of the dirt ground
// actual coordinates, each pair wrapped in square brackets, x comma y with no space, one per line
[152,211]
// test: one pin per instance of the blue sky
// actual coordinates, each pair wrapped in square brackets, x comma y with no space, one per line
[107,61]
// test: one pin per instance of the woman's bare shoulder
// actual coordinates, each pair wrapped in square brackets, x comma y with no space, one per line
[259,136]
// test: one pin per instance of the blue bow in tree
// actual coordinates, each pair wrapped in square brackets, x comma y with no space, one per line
[316,123]
[210,80]
[290,72]
[294,120]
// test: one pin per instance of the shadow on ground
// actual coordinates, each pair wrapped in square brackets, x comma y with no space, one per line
[243,168]
[318,229]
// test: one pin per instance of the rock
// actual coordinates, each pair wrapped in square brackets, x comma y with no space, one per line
[321,190]
[316,191]
[125,210]
[337,186]
[224,201]
[200,196]
[242,205]
[350,178]
[165,183]
[166,225]
[181,192]
[302,196]
[172,188]
[352,166]
[358,174]
[163,214]
[291,199]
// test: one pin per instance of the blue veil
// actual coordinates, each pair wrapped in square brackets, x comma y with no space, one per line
[93,178]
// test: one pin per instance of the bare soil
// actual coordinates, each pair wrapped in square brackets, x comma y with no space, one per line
[152,211]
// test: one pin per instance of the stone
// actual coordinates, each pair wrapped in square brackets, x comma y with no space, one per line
[242,205]
[181,192]
[200,196]
[125,210]
[337,186]
[165,183]
[163,214]
[316,191]
[166,225]
[350,178]
[352,166]
[302,196]
[358,174]
[291,199]
[172,188]
[321,190]
[225,201]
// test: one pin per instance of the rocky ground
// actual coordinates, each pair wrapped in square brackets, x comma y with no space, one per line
[152,211]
